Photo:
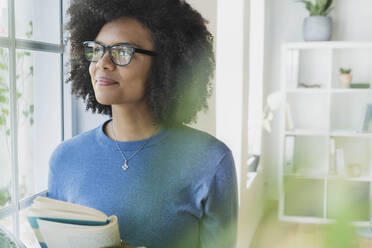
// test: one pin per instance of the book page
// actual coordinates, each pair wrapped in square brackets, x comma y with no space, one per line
[47,213]
[46,204]
[60,235]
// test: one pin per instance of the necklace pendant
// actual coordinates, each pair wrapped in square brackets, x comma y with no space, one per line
[125,166]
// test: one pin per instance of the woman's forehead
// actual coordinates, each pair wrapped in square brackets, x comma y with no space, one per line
[125,30]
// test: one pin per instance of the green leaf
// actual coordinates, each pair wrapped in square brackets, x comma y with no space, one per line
[4,90]
[3,99]
[27,53]
[19,95]
[4,197]
[5,111]
[328,5]
[7,132]
[319,7]
[20,55]
[31,121]
[32,70]
[309,6]
[328,11]
[25,113]
[3,66]
[32,108]
[2,121]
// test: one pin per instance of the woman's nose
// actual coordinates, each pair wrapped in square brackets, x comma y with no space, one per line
[105,63]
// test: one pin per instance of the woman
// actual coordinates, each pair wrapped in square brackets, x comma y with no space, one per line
[148,65]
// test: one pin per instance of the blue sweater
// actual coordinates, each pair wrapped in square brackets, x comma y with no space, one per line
[179,191]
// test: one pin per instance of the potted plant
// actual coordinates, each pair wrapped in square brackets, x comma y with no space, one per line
[345,78]
[318,26]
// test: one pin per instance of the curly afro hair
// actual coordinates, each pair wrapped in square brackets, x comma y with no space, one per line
[179,83]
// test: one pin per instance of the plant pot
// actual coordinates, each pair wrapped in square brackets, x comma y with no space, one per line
[317,28]
[345,80]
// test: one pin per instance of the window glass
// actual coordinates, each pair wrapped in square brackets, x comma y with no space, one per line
[37,20]
[39,117]
[5,141]
[26,233]
[7,222]
[3,17]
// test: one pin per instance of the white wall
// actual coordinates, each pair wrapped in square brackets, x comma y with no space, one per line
[206,121]
[351,21]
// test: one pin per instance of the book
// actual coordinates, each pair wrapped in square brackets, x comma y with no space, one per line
[359,85]
[59,224]
[332,169]
[288,154]
[340,162]
[288,117]
[366,122]
[293,69]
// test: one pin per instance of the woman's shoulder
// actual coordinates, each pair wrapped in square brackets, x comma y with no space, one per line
[76,143]
[200,140]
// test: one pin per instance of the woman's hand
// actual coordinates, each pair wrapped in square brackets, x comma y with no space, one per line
[122,245]
[126,245]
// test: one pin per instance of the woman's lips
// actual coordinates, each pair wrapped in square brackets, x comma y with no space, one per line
[105,81]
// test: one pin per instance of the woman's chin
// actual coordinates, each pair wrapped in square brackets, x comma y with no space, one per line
[105,100]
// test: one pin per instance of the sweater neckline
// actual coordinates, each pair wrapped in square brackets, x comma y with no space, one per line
[130,145]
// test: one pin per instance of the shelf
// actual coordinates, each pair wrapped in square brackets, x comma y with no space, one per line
[304,219]
[358,60]
[307,90]
[306,176]
[352,91]
[348,199]
[325,91]
[327,45]
[308,111]
[320,132]
[305,132]
[336,133]
[351,179]
[303,197]
[350,134]
[348,110]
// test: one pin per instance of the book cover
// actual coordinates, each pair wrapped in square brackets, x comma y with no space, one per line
[293,69]
[289,154]
[332,169]
[288,117]
[58,224]
[340,162]
[366,123]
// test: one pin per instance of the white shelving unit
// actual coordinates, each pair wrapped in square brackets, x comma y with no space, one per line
[325,117]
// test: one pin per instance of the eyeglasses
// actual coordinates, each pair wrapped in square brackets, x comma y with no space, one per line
[120,54]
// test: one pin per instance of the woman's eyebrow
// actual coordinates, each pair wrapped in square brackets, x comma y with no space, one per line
[131,43]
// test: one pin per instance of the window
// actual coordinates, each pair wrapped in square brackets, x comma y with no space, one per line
[32,101]
[256,80]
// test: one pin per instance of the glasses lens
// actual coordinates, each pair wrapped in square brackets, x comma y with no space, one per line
[121,55]
[93,51]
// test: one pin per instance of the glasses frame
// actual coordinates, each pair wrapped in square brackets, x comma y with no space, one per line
[108,48]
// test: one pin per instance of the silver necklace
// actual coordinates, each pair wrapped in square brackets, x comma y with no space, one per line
[126,160]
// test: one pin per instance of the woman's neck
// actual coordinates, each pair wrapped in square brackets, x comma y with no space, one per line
[130,124]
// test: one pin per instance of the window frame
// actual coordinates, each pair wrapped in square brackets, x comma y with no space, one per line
[67,105]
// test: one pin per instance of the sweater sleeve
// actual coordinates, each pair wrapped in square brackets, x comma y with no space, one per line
[54,174]
[218,226]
